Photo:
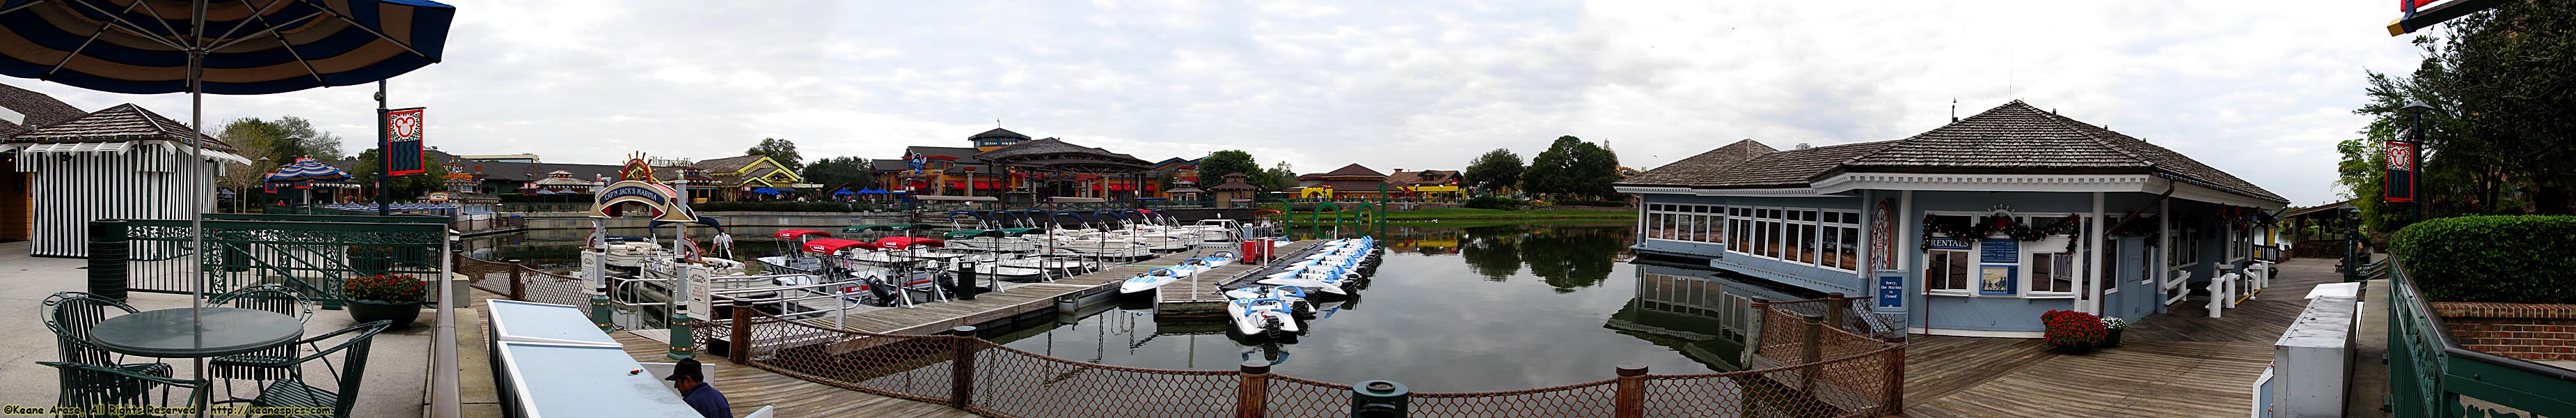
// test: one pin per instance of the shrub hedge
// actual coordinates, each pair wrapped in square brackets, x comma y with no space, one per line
[1497,202]
[2506,259]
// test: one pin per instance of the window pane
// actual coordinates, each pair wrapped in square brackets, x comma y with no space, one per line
[1954,274]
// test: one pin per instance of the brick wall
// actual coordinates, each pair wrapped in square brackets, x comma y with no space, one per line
[2518,330]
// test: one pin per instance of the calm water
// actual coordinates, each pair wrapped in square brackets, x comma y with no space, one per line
[1455,309]
[1451,309]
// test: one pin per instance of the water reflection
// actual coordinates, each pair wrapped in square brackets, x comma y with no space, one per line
[1451,309]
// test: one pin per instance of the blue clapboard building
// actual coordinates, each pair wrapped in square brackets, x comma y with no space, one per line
[1974,228]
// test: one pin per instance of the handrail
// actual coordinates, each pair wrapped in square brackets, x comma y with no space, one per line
[2426,361]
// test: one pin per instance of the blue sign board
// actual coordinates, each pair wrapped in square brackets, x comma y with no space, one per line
[1999,250]
[1891,290]
[1944,243]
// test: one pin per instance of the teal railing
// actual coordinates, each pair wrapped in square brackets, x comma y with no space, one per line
[2432,376]
[313,254]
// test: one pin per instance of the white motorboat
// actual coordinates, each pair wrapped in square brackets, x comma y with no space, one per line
[1263,317]
[1157,277]
[1296,297]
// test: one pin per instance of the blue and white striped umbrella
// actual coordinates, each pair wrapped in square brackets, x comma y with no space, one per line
[249,47]
[306,169]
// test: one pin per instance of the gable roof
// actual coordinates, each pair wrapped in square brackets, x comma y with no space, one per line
[1706,164]
[125,122]
[2015,138]
[1056,154]
[39,109]
[1353,170]
[896,164]
[728,164]
[998,133]
[1422,177]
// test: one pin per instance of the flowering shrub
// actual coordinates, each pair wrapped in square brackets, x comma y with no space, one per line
[2073,329]
[396,288]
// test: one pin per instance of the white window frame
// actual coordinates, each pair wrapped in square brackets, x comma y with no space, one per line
[2025,274]
[1824,228]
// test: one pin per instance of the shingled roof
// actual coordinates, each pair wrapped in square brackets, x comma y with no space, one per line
[1688,171]
[1353,170]
[38,109]
[125,122]
[2015,138]
[1056,154]
[727,164]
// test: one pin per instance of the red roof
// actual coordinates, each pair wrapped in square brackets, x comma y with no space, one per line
[834,245]
[897,243]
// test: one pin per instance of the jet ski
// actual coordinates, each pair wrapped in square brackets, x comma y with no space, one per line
[1295,297]
[1263,317]
[1155,278]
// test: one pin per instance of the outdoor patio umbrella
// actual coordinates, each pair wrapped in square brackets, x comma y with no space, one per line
[306,169]
[221,47]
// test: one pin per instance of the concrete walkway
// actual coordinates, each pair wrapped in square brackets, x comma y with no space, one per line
[396,368]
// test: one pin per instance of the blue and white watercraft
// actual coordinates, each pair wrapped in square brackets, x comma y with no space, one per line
[1263,317]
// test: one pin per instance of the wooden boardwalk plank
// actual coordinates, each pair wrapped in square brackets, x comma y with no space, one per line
[2177,364]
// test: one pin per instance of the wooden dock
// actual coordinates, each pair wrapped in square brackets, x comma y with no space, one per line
[2181,363]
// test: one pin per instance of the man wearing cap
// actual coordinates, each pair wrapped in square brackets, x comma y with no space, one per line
[692,383]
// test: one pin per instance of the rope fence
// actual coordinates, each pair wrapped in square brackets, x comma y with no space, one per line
[1801,368]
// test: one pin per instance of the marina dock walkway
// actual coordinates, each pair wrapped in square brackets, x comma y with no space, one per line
[932,318]
[2180,364]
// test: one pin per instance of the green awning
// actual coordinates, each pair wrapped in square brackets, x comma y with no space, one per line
[1022,231]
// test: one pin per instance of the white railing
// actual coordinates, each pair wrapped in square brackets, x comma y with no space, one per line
[2173,288]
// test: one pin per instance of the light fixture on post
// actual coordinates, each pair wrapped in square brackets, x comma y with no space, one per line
[2414,139]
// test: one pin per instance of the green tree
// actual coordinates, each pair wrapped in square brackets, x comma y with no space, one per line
[1221,163]
[406,187]
[2498,83]
[308,140]
[837,171]
[1279,177]
[780,150]
[1497,171]
[1571,167]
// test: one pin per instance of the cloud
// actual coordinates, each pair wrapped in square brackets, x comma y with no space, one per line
[2260,89]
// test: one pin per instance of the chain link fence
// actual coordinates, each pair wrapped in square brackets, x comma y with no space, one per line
[521,283]
[1803,368]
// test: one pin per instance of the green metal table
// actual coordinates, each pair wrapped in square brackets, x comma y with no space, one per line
[170,333]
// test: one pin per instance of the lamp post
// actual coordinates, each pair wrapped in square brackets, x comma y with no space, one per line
[2415,148]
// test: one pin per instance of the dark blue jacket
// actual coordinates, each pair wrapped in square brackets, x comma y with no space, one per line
[708,402]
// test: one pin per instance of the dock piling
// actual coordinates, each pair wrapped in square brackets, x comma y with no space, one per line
[1630,399]
[738,346]
[1252,396]
[962,379]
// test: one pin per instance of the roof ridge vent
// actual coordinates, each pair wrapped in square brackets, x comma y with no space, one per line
[1802,145]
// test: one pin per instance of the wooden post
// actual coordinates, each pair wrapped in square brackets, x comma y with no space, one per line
[962,368]
[738,346]
[1835,304]
[1761,311]
[1811,350]
[1895,384]
[517,289]
[1252,397]
[1630,399]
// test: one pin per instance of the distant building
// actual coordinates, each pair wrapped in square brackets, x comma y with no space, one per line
[1426,183]
[749,178]
[1351,182]
[2064,215]
[956,171]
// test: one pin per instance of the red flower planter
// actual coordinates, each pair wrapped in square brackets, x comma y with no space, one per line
[2074,332]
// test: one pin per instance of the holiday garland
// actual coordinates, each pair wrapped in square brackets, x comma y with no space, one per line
[1989,225]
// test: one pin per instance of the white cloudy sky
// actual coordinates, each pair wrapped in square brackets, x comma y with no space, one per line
[2262,89]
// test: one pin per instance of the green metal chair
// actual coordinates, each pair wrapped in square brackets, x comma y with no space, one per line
[293,390]
[70,315]
[138,393]
[271,298]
